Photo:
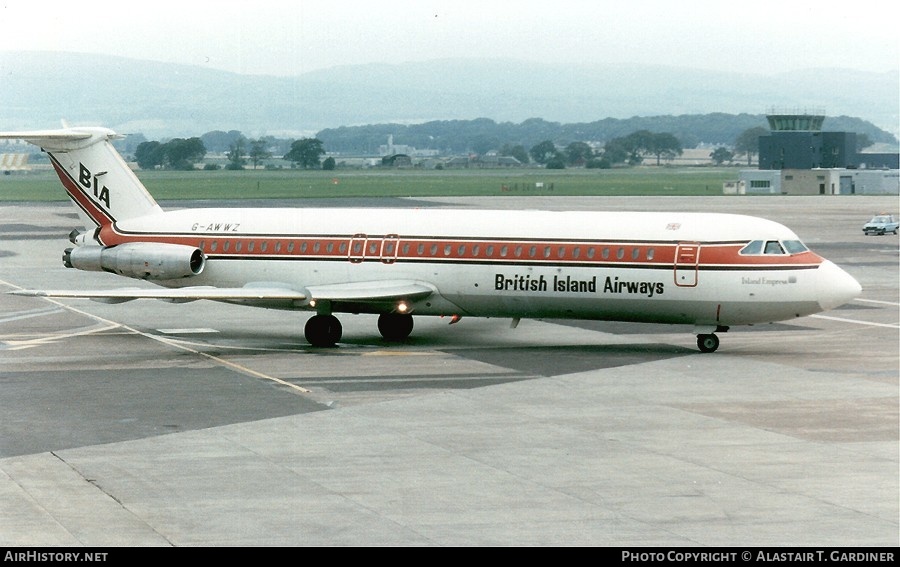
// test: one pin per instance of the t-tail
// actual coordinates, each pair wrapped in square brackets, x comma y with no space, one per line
[97,179]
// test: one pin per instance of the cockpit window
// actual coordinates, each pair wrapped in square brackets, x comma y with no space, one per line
[773,247]
[754,247]
[795,246]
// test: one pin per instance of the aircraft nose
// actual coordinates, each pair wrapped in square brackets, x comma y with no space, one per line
[836,287]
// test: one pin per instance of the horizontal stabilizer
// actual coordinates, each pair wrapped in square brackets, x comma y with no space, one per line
[62,139]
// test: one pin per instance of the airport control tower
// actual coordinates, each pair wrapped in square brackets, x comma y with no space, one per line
[781,121]
[798,142]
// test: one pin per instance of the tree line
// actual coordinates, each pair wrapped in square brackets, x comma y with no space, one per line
[184,154]
[537,141]
[306,153]
[481,135]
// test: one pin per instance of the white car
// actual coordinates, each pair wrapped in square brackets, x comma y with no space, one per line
[881,224]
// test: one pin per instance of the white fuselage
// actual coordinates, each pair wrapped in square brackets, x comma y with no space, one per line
[629,266]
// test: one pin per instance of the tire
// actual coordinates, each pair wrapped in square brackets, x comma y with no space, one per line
[323,330]
[395,326]
[707,343]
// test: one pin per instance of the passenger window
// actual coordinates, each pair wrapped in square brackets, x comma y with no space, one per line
[650,253]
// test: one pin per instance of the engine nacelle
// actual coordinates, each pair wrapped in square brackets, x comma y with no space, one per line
[141,260]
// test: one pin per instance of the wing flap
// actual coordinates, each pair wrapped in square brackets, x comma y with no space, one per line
[361,292]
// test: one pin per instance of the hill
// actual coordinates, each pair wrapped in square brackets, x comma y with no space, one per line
[165,100]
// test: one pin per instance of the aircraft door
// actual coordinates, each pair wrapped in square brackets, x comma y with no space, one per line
[389,248]
[358,248]
[687,257]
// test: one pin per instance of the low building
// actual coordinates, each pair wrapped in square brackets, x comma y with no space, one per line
[755,182]
[820,181]
[14,162]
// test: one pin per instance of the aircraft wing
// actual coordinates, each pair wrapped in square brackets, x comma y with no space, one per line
[178,295]
[356,292]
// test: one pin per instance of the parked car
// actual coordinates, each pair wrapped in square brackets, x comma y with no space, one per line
[881,224]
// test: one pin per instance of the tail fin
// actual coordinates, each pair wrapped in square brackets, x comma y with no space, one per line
[95,176]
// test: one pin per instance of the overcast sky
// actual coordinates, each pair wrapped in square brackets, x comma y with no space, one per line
[292,37]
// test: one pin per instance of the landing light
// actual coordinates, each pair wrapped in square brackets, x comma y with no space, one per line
[402,307]
[312,302]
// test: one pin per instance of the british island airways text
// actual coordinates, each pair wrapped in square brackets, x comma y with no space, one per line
[568,284]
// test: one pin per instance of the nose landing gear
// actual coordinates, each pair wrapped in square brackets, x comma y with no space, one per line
[707,343]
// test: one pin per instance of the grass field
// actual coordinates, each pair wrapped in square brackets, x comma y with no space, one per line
[287,184]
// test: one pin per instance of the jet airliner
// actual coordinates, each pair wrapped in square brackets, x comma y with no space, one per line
[709,270]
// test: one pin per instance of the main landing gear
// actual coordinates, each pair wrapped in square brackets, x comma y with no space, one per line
[326,330]
[323,330]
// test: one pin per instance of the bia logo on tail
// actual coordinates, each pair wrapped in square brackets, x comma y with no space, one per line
[89,182]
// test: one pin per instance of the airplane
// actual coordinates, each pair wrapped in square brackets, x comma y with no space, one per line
[709,270]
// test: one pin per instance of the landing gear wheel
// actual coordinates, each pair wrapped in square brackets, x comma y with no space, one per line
[395,326]
[707,343]
[323,330]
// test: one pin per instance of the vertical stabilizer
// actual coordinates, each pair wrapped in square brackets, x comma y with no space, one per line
[95,176]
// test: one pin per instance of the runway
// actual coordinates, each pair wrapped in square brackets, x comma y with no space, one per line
[201,424]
